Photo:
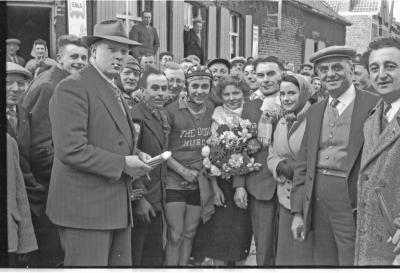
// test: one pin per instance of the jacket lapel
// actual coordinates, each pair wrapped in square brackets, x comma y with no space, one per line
[107,96]
[153,126]
[316,118]
[196,39]
[356,140]
[381,141]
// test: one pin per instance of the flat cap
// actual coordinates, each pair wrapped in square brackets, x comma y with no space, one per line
[13,41]
[166,53]
[132,63]
[238,59]
[219,61]
[333,51]
[17,69]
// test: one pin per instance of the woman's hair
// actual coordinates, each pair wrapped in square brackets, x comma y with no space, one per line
[292,79]
[241,85]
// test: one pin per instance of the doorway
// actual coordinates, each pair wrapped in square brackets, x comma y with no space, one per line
[28,23]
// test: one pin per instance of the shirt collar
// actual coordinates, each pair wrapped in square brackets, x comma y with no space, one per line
[393,110]
[347,97]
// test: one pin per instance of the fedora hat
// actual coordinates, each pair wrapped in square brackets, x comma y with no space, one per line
[112,30]
[13,68]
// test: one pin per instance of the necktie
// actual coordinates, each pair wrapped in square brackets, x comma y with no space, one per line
[15,59]
[12,117]
[333,108]
[385,121]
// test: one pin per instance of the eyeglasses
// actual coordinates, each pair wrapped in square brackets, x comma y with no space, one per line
[156,87]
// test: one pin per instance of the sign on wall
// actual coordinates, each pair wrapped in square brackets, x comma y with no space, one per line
[77,24]
[255,41]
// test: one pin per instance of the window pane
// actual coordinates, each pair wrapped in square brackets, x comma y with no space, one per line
[234,20]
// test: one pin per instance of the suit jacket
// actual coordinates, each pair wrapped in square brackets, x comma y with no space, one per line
[91,137]
[379,168]
[261,184]
[36,102]
[192,45]
[153,142]
[20,60]
[21,237]
[35,190]
[147,37]
[305,171]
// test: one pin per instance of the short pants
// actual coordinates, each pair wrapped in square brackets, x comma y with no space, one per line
[190,197]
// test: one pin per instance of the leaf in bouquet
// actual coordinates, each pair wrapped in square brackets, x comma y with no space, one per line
[217,153]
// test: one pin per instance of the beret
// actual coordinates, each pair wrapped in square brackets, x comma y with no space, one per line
[238,59]
[333,51]
[132,63]
[13,41]
[219,60]
[17,69]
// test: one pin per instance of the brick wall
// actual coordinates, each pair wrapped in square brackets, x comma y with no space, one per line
[358,35]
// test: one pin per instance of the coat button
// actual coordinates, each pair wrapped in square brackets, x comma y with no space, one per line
[379,237]
[120,143]
[308,198]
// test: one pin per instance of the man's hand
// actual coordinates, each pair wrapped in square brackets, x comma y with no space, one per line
[137,194]
[190,175]
[143,210]
[219,198]
[135,167]
[298,228]
[286,168]
[186,27]
[240,197]
[144,157]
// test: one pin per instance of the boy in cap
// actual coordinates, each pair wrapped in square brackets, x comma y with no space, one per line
[95,156]
[324,192]
[12,48]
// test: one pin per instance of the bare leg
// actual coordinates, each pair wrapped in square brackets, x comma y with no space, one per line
[192,220]
[175,213]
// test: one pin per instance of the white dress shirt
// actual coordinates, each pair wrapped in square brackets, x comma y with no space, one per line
[345,99]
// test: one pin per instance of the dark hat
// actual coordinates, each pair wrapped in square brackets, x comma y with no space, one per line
[132,63]
[238,59]
[13,41]
[198,71]
[219,60]
[17,69]
[112,30]
[333,51]
[306,65]
[166,53]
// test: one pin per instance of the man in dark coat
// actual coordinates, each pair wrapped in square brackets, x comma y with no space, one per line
[145,34]
[71,58]
[12,48]
[95,156]
[148,115]
[324,193]
[193,41]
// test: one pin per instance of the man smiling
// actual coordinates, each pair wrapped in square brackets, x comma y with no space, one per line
[325,177]
[71,58]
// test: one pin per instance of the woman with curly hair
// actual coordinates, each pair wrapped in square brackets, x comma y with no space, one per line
[226,237]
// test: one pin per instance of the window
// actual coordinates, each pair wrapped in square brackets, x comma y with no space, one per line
[188,14]
[234,33]
[274,13]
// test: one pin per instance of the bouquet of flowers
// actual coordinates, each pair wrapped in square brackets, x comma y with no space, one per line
[229,152]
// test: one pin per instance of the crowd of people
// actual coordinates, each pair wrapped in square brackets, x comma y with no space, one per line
[82,128]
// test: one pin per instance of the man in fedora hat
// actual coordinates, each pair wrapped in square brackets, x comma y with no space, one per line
[95,157]
[145,34]
[324,193]
[193,41]
[12,48]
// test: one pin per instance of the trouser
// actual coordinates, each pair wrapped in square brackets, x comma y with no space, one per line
[147,242]
[86,247]
[262,214]
[333,222]
[50,253]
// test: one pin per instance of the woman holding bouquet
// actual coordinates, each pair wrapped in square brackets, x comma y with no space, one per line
[295,92]
[190,121]
[226,237]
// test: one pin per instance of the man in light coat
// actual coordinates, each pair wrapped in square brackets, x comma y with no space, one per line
[95,157]
[378,221]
